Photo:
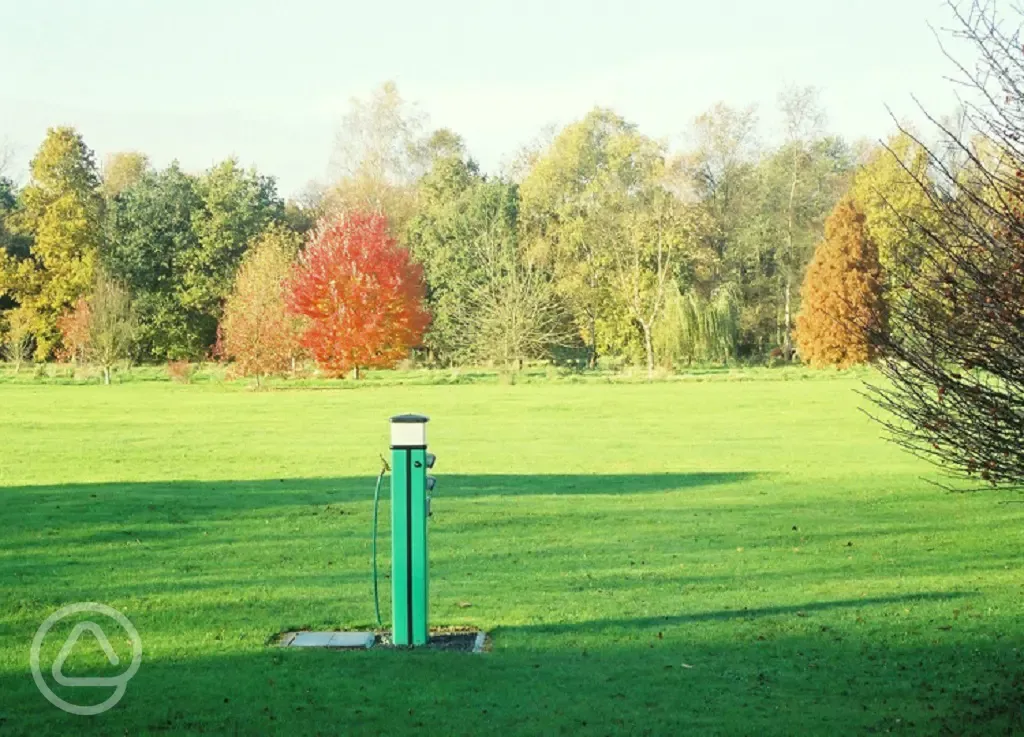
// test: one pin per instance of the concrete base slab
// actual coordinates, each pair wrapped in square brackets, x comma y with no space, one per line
[357,640]
[450,639]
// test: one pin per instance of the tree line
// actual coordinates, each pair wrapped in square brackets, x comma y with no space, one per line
[596,241]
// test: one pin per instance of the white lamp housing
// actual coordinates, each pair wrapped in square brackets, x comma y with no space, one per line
[409,431]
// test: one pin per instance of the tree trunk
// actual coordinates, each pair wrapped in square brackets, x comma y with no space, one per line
[592,358]
[357,373]
[787,345]
[649,348]
[787,341]
[106,375]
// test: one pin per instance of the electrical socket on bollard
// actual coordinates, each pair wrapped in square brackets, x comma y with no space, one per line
[431,481]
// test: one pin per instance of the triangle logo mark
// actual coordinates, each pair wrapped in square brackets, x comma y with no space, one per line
[69,645]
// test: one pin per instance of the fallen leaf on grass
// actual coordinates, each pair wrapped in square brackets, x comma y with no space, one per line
[464,605]
[687,665]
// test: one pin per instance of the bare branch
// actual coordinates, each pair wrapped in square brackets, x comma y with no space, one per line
[954,357]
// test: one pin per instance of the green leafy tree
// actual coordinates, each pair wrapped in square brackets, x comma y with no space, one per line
[601,210]
[488,302]
[121,171]
[657,245]
[799,164]
[14,248]
[887,190]
[60,210]
[443,143]
[699,329]
[720,172]
[796,187]
[572,214]
[305,211]
[237,206]
[440,235]
[300,219]
[149,235]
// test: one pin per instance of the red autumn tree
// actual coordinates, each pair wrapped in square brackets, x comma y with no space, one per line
[843,307]
[362,296]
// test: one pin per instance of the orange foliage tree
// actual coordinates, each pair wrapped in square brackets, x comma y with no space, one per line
[74,330]
[257,330]
[843,304]
[361,294]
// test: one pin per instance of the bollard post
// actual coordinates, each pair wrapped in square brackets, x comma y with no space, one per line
[410,507]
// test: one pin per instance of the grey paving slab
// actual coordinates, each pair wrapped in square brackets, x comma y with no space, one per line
[352,639]
[312,639]
[329,639]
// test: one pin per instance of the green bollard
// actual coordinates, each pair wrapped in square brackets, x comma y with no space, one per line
[410,507]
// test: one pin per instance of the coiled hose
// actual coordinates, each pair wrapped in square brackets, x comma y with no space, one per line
[376,505]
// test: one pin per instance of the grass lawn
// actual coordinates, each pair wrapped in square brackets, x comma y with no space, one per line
[726,557]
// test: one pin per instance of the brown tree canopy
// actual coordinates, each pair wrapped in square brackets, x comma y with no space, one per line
[842,294]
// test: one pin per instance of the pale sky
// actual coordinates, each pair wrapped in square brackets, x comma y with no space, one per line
[269,80]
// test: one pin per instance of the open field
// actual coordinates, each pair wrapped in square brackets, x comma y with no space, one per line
[719,557]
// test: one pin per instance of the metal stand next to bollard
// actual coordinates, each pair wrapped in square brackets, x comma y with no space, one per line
[410,507]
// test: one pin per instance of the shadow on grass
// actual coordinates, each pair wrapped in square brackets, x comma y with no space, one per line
[724,615]
[270,492]
[803,682]
[699,672]
[124,508]
[60,525]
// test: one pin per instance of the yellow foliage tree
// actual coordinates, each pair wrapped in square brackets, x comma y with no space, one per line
[60,210]
[888,191]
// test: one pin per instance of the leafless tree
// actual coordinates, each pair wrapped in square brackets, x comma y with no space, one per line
[954,359]
[803,122]
[512,315]
[112,325]
[380,152]
[5,157]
